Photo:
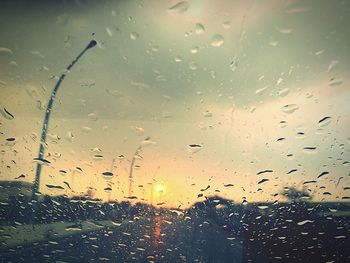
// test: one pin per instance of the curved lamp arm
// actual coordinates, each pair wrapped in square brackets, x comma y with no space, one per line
[44,130]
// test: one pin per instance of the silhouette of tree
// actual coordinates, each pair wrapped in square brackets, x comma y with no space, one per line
[295,195]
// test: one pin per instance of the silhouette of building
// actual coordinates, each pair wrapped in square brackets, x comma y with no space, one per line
[14,188]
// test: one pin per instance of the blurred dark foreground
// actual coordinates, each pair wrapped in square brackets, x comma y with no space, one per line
[216,230]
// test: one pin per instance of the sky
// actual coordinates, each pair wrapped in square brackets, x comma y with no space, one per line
[247,82]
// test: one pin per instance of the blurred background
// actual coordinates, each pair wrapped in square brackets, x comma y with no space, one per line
[240,98]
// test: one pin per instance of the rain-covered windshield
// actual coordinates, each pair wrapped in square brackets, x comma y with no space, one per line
[174,131]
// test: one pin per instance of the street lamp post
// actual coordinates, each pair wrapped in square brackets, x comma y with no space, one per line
[131,170]
[44,130]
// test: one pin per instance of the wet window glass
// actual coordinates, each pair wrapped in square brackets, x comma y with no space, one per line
[174,131]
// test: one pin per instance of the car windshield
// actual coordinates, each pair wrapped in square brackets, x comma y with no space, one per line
[174,131]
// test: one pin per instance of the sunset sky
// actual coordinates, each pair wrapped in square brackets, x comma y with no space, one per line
[247,81]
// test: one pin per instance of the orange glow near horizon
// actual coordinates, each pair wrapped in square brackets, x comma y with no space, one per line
[159,188]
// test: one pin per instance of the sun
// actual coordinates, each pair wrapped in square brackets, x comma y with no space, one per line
[159,188]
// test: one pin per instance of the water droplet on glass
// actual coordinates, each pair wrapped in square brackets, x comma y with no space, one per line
[86,129]
[261,90]
[167,114]
[332,65]
[93,116]
[324,121]
[263,181]
[10,141]
[199,29]
[193,148]
[5,51]
[301,223]
[148,143]
[41,161]
[217,40]
[293,171]
[310,150]
[13,63]
[273,43]
[207,114]
[178,59]
[57,187]
[283,92]
[107,175]
[193,66]
[69,136]
[6,114]
[284,30]
[194,50]
[98,157]
[179,8]
[300,135]
[335,82]
[134,35]
[252,109]
[283,124]
[108,189]
[322,174]
[263,207]
[281,139]
[226,25]
[109,31]
[290,108]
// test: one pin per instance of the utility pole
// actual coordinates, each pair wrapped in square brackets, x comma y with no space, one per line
[132,169]
[112,167]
